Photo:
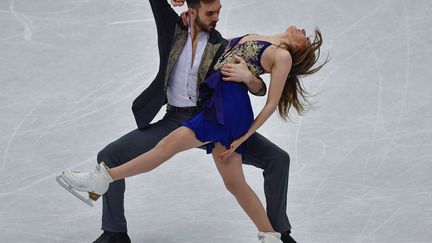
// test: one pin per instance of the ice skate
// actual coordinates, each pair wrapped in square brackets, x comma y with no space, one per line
[95,183]
[269,237]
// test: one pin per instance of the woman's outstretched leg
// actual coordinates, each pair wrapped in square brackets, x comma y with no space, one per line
[97,182]
[179,140]
[232,174]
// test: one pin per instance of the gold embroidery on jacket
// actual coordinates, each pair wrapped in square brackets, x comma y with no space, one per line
[179,41]
[206,60]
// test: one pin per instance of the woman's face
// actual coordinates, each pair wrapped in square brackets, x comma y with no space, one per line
[297,36]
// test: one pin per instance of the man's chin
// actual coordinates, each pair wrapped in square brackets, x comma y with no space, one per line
[209,28]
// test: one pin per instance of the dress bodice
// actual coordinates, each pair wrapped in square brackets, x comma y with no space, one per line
[250,51]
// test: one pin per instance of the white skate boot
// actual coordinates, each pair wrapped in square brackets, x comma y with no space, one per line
[95,183]
[269,237]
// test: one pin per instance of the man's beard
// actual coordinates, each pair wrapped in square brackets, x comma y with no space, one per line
[202,26]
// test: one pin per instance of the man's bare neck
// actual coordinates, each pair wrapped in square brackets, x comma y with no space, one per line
[195,30]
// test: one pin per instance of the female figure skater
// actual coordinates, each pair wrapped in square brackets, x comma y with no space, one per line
[225,120]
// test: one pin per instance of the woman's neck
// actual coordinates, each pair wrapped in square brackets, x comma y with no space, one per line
[282,38]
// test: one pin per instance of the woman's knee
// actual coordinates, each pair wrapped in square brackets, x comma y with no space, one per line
[230,186]
[165,144]
[234,186]
[170,145]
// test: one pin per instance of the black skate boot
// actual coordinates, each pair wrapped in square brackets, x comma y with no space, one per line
[286,237]
[113,237]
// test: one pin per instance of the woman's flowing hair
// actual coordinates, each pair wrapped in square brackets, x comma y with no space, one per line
[303,59]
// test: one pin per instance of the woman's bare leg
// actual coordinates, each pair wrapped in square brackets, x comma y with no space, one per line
[232,174]
[179,140]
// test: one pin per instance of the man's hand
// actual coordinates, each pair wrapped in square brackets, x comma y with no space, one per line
[238,72]
[177,3]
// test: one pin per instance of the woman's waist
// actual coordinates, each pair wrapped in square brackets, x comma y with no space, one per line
[235,85]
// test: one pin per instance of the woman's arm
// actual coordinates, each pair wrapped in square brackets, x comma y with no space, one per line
[279,73]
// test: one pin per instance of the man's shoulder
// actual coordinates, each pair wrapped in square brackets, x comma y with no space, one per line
[216,37]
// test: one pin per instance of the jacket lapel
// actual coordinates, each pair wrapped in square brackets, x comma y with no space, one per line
[179,41]
[206,61]
[214,43]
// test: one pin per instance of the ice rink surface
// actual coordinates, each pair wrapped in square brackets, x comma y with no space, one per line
[361,167]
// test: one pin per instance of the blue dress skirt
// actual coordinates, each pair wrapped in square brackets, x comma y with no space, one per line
[226,114]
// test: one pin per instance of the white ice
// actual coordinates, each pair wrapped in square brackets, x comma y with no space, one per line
[361,164]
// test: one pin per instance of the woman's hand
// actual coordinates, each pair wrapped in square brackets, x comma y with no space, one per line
[185,16]
[234,145]
[177,3]
[238,72]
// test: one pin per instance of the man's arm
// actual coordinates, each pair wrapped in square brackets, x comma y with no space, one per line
[163,14]
[256,85]
[240,72]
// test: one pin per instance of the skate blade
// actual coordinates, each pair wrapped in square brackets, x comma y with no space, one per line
[93,196]
[68,188]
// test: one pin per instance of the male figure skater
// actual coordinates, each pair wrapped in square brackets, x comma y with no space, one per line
[187,55]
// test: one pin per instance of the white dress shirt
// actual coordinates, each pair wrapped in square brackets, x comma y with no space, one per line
[182,84]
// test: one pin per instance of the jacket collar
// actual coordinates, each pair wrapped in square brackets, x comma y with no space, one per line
[179,41]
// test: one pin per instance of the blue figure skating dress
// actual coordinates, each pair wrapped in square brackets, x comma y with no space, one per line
[226,112]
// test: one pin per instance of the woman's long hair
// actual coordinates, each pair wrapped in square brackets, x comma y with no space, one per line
[303,59]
